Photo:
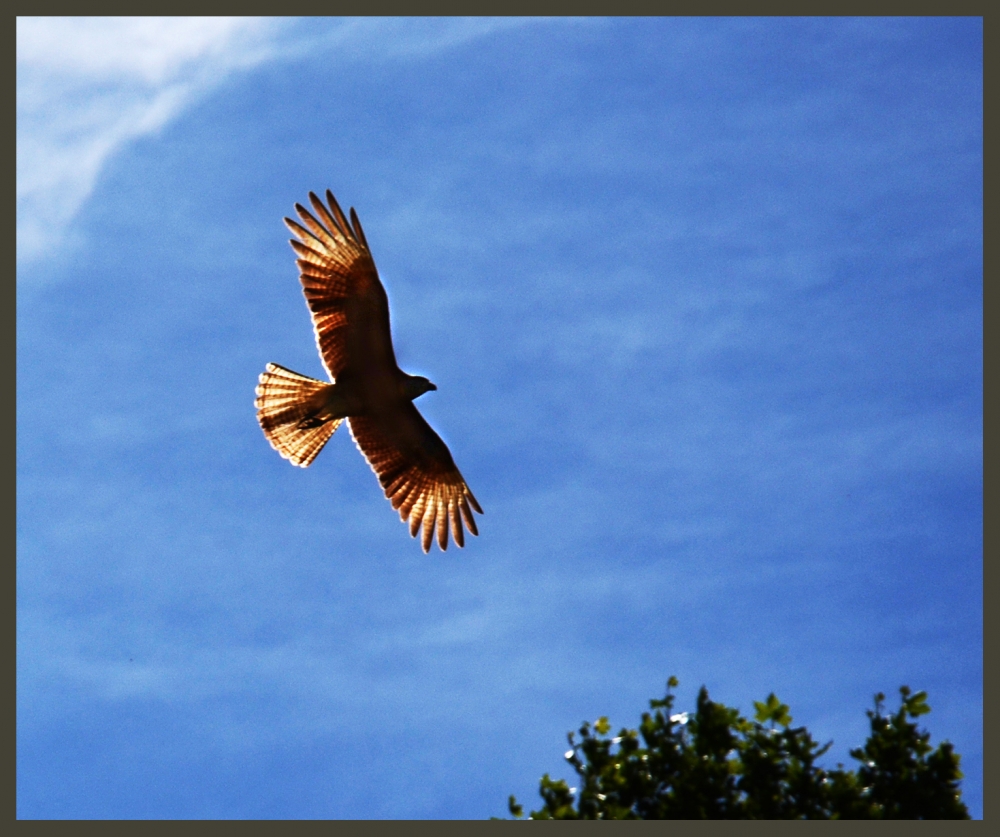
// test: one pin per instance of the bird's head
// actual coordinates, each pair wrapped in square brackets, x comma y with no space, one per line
[417,385]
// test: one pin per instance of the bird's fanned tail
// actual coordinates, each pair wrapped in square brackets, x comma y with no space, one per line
[286,418]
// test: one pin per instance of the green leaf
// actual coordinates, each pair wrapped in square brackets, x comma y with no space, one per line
[916,705]
[602,725]
[774,710]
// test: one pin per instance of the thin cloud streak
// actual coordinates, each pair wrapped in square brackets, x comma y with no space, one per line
[88,87]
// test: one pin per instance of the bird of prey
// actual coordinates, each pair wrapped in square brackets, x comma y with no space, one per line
[350,316]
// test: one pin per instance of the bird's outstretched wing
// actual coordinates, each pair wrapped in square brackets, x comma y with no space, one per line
[350,311]
[417,472]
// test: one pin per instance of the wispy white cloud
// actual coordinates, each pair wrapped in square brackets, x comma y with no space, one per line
[87,87]
[375,38]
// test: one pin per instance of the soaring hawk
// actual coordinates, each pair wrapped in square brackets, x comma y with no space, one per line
[350,315]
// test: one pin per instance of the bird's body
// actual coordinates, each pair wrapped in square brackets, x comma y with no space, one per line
[298,414]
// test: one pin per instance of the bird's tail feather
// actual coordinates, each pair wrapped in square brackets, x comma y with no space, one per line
[287,416]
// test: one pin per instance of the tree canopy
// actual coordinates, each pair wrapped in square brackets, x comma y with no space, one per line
[716,764]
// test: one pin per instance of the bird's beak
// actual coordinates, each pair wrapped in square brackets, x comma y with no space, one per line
[431,385]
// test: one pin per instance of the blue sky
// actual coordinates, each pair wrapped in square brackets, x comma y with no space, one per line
[703,302]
